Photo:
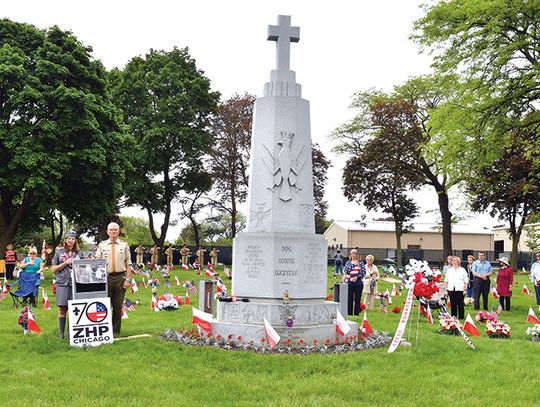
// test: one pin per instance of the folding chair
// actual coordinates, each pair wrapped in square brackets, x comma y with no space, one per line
[28,289]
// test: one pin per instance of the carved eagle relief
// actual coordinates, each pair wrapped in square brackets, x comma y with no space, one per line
[285,167]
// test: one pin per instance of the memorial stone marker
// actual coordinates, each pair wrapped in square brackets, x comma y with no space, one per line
[280,251]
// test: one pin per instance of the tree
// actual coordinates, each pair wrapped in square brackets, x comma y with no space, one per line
[61,144]
[136,230]
[320,205]
[494,45]
[508,187]
[217,229]
[191,206]
[380,175]
[230,155]
[167,105]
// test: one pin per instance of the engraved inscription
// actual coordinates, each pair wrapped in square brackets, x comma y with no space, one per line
[286,262]
[253,262]
[312,265]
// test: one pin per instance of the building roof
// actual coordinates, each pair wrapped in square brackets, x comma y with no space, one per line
[418,227]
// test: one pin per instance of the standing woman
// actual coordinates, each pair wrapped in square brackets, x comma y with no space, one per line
[455,282]
[505,279]
[372,275]
[32,264]
[470,261]
[61,267]
[354,273]
[11,260]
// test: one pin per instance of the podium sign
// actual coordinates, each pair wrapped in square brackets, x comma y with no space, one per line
[90,322]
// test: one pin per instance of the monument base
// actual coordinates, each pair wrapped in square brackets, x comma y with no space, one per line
[312,320]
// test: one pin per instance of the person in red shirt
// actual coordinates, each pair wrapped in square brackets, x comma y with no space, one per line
[505,279]
[11,260]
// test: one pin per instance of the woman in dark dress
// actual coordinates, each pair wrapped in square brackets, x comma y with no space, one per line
[61,267]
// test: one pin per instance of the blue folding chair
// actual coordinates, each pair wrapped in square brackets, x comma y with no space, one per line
[28,289]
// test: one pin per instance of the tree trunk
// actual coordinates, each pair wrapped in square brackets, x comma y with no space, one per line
[515,233]
[446,218]
[11,217]
[399,233]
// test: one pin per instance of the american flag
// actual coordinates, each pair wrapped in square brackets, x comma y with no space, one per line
[129,305]
[383,308]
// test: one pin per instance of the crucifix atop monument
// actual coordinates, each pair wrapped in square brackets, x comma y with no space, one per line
[282,79]
[283,34]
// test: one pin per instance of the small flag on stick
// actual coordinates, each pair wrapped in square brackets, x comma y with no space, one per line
[342,327]
[532,318]
[525,289]
[271,334]
[470,327]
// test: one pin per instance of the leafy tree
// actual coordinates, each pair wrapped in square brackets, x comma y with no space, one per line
[217,229]
[230,155]
[380,175]
[191,206]
[167,105]
[320,169]
[508,187]
[494,45]
[61,143]
[136,230]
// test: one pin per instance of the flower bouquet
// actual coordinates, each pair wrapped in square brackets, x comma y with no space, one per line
[485,316]
[448,325]
[533,333]
[424,278]
[497,329]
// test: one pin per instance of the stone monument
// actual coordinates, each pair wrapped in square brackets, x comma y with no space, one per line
[279,263]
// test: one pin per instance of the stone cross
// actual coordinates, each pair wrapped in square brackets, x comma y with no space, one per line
[283,34]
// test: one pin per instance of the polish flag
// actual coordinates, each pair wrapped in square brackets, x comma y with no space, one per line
[177,281]
[154,303]
[388,297]
[134,287]
[227,271]
[184,267]
[124,313]
[428,315]
[394,291]
[366,328]
[32,325]
[6,287]
[45,301]
[470,327]
[144,283]
[187,298]
[202,319]
[220,286]
[342,327]
[525,289]
[532,318]
[210,272]
[271,334]
[494,292]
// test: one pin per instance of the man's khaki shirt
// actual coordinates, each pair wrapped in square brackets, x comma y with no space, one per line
[118,255]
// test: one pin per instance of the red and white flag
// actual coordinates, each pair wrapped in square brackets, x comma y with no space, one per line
[532,318]
[45,301]
[395,292]
[525,289]
[227,271]
[470,327]
[220,286]
[187,298]
[202,319]
[342,327]
[124,313]
[366,327]
[154,303]
[388,297]
[177,281]
[494,292]
[144,283]
[134,286]
[184,267]
[271,335]
[32,324]
[210,272]
[5,290]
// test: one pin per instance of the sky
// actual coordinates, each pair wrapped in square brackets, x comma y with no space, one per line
[344,47]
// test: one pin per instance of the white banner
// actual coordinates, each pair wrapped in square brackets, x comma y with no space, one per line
[403,321]
[90,322]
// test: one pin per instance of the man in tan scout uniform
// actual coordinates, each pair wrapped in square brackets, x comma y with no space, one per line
[139,251]
[213,257]
[184,251]
[200,257]
[118,257]
[169,252]
[154,251]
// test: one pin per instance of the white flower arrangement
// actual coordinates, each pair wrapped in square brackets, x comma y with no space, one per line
[533,332]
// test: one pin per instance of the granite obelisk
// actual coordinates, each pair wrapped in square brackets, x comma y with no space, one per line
[280,256]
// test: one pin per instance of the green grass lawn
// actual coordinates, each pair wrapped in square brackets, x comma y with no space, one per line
[441,370]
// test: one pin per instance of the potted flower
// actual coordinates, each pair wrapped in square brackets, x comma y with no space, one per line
[485,317]
[497,329]
[533,333]
[448,325]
